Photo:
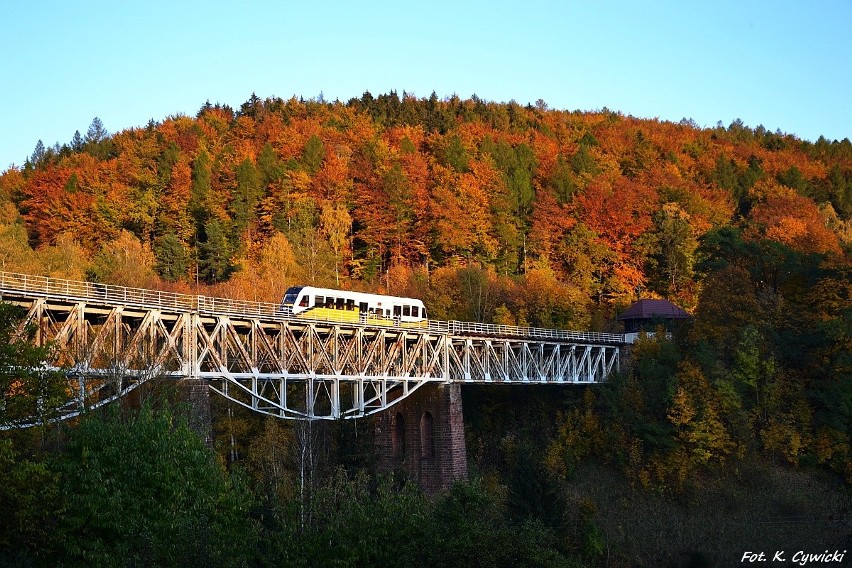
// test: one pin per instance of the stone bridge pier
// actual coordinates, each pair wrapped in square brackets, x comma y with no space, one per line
[424,436]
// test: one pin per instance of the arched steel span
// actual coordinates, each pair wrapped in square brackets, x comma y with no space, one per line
[111,339]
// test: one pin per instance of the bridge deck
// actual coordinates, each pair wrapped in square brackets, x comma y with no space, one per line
[13,284]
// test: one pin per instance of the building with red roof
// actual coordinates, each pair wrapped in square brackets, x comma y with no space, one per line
[647,315]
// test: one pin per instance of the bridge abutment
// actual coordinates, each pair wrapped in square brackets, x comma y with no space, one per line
[424,436]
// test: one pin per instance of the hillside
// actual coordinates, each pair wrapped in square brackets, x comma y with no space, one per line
[595,207]
[499,213]
[494,212]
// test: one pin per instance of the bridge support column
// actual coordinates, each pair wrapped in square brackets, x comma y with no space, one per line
[424,436]
[197,393]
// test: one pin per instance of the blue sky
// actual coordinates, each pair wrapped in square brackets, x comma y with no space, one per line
[785,65]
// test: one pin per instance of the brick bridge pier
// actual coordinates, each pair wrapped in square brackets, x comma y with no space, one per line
[424,436]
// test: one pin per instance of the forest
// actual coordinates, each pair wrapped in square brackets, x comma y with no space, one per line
[489,212]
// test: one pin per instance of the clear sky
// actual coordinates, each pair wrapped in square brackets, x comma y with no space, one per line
[782,64]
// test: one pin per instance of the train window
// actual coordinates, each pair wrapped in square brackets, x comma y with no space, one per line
[319,300]
[303,303]
[362,307]
[338,303]
[397,311]
[415,311]
[406,310]
[291,294]
[329,303]
[350,305]
[424,314]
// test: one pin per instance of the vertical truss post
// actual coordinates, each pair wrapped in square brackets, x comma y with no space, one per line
[282,395]
[447,346]
[335,398]
[309,397]
[79,331]
[81,384]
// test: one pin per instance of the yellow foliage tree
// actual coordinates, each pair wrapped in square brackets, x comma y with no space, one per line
[126,262]
[694,411]
[15,252]
[276,268]
[65,259]
[336,225]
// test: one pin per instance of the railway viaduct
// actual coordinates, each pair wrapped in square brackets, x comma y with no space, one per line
[112,339]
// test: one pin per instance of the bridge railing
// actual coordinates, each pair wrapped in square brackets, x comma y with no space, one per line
[475,328]
[225,306]
[97,292]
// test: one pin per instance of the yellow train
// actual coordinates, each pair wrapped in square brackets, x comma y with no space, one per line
[355,307]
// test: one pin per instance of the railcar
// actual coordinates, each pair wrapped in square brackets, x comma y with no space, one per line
[356,307]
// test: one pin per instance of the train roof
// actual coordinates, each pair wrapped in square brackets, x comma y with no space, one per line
[354,295]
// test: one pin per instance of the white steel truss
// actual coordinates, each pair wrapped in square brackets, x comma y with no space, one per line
[112,339]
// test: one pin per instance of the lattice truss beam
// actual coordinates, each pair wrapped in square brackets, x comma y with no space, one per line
[516,361]
[310,370]
[288,368]
[106,351]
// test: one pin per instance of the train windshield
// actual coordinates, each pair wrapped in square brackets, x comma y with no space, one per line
[291,294]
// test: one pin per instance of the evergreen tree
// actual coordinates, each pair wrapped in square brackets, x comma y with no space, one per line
[73,183]
[269,166]
[97,142]
[172,257]
[673,247]
[251,106]
[583,162]
[199,196]
[246,196]
[313,154]
[454,155]
[38,153]
[432,120]
[77,142]
[214,264]
[562,182]
[840,190]
[96,133]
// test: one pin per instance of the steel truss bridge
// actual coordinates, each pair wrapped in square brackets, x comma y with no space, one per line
[111,339]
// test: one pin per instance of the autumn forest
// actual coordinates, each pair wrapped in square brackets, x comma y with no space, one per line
[502,213]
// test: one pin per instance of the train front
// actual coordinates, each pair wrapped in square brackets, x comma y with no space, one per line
[288,304]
